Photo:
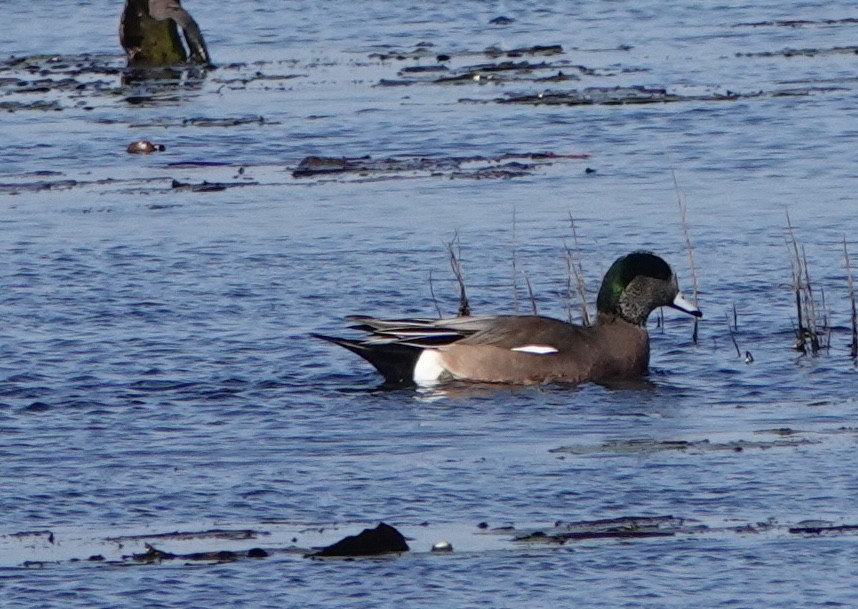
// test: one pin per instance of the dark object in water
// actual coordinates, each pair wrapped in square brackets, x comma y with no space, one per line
[149,33]
[500,166]
[154,555]
[145,147]
[315,165]
[380,540]
[502,20]
[823,528]
[627,527]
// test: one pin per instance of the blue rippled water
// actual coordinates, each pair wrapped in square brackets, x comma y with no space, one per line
[156,368]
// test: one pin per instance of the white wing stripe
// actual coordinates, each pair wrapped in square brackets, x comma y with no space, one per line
[537,349]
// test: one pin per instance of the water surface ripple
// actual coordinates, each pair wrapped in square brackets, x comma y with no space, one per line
[156,368]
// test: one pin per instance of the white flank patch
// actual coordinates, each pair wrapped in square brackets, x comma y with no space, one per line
[428,368]
[537,349]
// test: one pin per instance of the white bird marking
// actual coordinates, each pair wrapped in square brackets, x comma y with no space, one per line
[537,349]
[428,368]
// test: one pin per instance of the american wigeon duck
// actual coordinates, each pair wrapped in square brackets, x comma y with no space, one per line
[149,33]
[525,349]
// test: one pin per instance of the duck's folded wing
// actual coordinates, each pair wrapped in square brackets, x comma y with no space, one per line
[419,332]
[171,9]
[527,334]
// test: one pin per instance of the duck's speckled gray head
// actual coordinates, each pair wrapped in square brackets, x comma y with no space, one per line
[637,284]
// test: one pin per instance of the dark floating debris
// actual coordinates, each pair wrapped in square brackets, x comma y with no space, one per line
[231,534]
[816,528]
[811,52]
[501,20]
[474,167]
[39,104]
[800,22]
[649,445]
[223,122]
[145,147]
[423,69]
[419,52]
[383,539]
[494,52]
[546,50]
[489,71]
[316,165]
[206,186]
[47,534]
[507,67]
[154,555]
[610,96]
[623,528]
[192,164]
[40,185]
[620,96]
[81,78]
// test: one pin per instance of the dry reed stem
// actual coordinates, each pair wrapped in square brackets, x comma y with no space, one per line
[795,264]
[432,293]
[530,294]
[514,265]
[567,293]
[853,351]
[810,306]
[455,264]
[732,333]
[680,199]
[811,327]
[573,268]
[807,303]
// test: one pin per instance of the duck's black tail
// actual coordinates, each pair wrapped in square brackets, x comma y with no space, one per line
[394,360]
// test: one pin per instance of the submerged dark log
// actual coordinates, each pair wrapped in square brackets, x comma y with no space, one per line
[382,539]
[825,529]
[154,555]
[149,33]
[502,166]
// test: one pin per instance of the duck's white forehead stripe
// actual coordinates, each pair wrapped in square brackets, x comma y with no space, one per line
[537,349]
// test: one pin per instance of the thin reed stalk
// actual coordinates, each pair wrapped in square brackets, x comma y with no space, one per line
[813,330]
[432,293]
[732,333]
[530,294]
[574,269]
[810,306]
[514,264]
[454,247]
[853,351]
[795,264]
[680,199]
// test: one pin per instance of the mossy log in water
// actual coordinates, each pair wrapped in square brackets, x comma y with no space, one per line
[149,33]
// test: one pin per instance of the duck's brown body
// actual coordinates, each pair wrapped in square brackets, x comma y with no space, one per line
[509,351]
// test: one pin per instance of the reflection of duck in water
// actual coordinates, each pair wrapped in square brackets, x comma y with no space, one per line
[149,33]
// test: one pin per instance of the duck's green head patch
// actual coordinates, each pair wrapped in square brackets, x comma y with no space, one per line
[624,271]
